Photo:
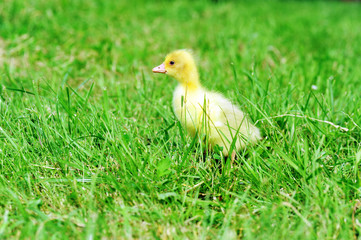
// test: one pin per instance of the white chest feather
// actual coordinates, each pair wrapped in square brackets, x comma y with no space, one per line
[198,108]
[188,107]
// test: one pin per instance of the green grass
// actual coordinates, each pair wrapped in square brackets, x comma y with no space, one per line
[90,147]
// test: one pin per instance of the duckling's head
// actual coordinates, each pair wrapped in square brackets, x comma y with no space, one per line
[180,64]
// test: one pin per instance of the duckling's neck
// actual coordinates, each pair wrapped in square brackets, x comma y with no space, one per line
[191,81]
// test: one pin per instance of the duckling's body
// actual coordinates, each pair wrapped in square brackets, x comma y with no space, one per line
[204,112]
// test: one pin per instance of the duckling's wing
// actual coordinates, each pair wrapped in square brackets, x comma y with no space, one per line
[222,112]
[230,120]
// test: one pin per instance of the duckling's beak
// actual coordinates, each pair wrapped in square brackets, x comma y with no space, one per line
[160,69]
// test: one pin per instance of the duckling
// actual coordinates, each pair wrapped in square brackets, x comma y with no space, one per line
[205,112]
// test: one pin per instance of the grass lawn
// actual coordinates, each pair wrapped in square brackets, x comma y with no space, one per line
[90,147]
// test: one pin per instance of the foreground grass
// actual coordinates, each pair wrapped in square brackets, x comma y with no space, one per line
[90,147]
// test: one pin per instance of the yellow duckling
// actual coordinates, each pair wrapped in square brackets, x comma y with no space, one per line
[205,112]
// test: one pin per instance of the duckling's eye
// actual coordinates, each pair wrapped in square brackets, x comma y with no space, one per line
[171,62]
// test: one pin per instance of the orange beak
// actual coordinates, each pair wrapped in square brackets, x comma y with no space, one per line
[160,69]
